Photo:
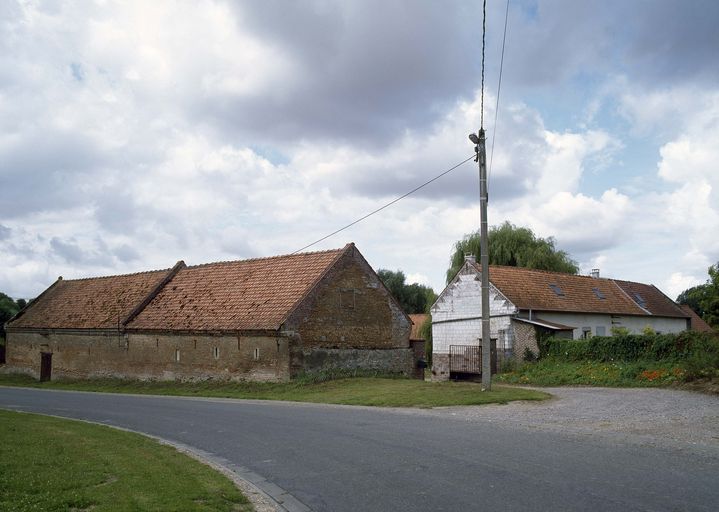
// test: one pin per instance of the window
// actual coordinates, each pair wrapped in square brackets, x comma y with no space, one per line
[257,354]
[640,300]
[586,332]
[177,355]
[601,330]
[216,352]
[598,293]
[557,290]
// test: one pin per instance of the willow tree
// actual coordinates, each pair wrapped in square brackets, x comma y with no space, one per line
[515,247]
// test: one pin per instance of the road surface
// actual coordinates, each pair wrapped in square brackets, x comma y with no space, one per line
[337,458]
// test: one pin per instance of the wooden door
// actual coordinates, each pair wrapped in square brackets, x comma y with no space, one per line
[45,366]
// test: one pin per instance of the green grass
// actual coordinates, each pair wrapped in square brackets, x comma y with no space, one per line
[553,371]
[373,391]
[52,464]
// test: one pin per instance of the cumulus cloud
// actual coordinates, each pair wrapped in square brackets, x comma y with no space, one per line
[133,134]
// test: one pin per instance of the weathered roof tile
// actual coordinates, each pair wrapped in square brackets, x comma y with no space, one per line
[255,294]
[92,303]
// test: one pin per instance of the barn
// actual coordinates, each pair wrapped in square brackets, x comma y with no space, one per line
[265,319]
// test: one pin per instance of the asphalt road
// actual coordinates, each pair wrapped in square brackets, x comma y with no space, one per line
[334,458]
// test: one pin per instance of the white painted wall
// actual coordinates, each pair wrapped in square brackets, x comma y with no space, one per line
[461,302]
[635,324]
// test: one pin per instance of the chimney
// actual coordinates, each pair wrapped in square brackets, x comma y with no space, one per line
[470,258]
[594,273]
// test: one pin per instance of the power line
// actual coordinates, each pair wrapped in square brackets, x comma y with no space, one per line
[386,205]
[484,32]
[499,89]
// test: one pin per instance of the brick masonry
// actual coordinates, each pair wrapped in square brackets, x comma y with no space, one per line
[347,321]
[151,356]
[525,337]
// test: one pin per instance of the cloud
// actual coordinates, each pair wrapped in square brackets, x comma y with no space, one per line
[678,282]
[134,135]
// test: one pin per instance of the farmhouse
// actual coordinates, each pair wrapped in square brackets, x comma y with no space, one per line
[526,304]
[266,319]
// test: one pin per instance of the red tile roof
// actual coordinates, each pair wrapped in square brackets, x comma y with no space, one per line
[417,321]
[255,294]
[697,322]
[650,298]
[543,290]
[93,303]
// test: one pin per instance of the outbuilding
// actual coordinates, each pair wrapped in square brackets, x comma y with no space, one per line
[265,319]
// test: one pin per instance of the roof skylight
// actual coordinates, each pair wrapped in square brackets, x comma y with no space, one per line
[639,300]
[557,290]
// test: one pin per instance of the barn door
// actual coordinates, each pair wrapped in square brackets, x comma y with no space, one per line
[45,366]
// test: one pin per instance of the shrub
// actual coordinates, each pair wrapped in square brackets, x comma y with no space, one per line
[529,356]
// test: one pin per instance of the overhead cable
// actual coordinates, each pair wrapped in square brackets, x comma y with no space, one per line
[499,89]
[386,205]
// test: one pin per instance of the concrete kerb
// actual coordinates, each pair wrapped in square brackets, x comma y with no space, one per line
[264,495]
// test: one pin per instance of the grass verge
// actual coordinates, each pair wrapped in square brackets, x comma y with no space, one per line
[552,371]
[56,464]
[372,391]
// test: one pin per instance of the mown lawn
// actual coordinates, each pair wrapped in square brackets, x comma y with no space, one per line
[52,464]
[372,391]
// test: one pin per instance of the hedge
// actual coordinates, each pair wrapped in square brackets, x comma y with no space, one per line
[634,347]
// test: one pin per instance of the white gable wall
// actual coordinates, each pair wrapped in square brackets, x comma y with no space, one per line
[456,316]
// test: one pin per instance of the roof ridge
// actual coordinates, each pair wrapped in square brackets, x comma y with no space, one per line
[543,271]
[61,279]
[264,258]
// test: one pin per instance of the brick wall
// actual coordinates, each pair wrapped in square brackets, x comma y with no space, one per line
[145,356]
[350,308]
[525,337]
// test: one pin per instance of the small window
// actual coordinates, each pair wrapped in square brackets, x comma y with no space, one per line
[586,332]
[601,330]
[347,298]
[598,293]
[216,352]
[257,354]
[557,290]
[640,300]
[177,355]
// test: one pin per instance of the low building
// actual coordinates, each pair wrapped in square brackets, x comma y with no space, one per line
[267,319]
[526,304]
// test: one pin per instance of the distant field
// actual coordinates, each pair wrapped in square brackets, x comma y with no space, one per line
[56,464]
[371,391]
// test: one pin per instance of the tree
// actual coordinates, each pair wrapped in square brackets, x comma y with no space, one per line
[694,296]
[515,247]
[414,298]
[704,299]
[8,308]
[710,303]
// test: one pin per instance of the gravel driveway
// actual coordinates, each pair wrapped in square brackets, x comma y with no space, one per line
[682,419]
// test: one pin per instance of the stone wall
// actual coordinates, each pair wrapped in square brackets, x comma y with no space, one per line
[79,354]
[399,360]
[440,367]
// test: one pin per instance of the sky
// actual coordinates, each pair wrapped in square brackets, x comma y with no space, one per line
[137,134]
